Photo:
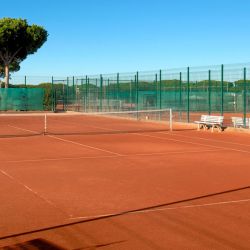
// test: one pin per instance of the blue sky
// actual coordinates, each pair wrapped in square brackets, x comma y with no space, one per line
[97,36]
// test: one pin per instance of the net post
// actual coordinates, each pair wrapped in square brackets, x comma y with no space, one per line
[45,125]
[170,119]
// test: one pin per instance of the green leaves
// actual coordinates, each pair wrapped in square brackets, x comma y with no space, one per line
[36,35]
[18,39]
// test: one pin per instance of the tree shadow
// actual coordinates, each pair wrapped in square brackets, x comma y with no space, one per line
[39,244]
[124,213]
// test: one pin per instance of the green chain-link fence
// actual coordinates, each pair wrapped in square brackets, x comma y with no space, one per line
[190,92]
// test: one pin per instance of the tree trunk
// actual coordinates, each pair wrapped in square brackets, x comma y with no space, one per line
[7,75]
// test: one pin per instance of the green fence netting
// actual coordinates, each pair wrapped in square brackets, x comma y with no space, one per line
[190,92]
[21,99]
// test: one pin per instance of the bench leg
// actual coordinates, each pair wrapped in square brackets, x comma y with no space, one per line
[212,130]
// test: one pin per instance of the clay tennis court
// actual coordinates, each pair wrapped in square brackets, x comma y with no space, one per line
[109,184]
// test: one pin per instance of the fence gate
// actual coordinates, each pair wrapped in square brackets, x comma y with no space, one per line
[59,93]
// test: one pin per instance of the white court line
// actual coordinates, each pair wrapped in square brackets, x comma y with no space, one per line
[84,145]
[205,139]
[196,143]
[161,209]
[169,139]
[162,138]
[34,192]
[166,133]
[113,156]
[34,132]
[76,143]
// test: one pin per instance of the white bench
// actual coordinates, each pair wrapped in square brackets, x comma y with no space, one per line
[239,122]
[213,121]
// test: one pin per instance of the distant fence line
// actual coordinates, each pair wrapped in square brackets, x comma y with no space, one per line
[188,91]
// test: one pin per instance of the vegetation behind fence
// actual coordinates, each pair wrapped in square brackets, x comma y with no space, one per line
[219,89]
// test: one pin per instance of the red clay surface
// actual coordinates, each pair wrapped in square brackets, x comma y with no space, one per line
[185,189]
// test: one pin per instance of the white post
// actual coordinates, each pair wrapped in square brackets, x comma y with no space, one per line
[170,120]
[45,124]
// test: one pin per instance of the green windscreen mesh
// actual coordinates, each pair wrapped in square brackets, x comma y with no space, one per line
[189,92]
[21,99]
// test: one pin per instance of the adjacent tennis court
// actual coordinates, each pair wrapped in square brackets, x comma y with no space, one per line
[126,181]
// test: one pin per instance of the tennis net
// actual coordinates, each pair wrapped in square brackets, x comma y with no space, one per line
[20,125]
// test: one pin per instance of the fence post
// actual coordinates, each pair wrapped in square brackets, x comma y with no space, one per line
[73,89]
[160,97]
[130,94]
[67,93]
[245,98]
[88,95]
[135,82]
[96,95]
[188,95]
[107,94]
[81,94]
[137,92]
[156,83]
[222,91]
[209,92]
[180,96]
[52,95]
[100,92]
[118,91]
